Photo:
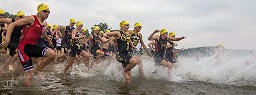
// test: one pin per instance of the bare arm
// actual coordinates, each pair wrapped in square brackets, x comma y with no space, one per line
[28,20]
[151,37]
[59,33]
[44,34]
[6,20]
[5,27]
[143,45]
[176,39]
[74,34]
[116,34]
[178,50]
[62,27]
[150,45]
[89,38]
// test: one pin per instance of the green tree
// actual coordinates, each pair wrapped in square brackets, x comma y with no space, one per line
[102,26]
[7,14]
[87,33]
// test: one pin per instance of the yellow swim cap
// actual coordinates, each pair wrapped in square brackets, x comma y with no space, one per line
[163,31]
[48,25]
[107,31]
[98,52]
[137,24]
[41,7]
[101,32]
[78,23]
[123,23]
[20,13]
[172,34]
[221,45]
[84,30]
[96,28]
[1,11]
[72,20]
[54,26]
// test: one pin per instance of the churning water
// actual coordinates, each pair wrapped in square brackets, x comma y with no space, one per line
[229,73]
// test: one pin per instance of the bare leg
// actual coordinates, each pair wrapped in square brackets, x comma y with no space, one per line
[139,62]
[86,58]
[6,63]
[99,56]
[39,60]
[47,58]
[127,70]
[169,65]
[56,55]
[14,58]
[71,61]
[28,78]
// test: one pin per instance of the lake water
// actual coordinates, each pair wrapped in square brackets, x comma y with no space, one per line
[226,75]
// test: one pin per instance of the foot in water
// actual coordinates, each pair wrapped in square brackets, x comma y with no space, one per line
[11,68]
[40,75]
[154,72]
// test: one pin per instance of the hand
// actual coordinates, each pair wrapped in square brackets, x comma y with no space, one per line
[150,55]
[4,44]
[83,36]
[134,47]
[156,31]
[104,35]
[50,43]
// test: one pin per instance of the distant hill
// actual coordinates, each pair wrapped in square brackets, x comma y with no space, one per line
[210,50]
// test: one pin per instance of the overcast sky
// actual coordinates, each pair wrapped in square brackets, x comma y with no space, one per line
[203,22]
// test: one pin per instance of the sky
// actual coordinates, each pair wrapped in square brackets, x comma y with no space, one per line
[203,22]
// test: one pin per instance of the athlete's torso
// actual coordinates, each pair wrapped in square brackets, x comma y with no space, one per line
[31,34]
[123,43]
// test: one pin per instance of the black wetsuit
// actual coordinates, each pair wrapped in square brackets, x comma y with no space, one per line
[160,49]
[1,31]
[123,49]
[76,46]
[135,38]
[95,44]
[170,53]
[66,37]
[15,39]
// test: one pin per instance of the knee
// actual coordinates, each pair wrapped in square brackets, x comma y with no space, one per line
[134,61]
[139,60]
[169,64]
[50,53]
[128,75]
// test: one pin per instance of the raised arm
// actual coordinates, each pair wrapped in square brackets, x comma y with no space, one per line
[150,45]
[116,34]
[144,46]
[175,39]
[151,36]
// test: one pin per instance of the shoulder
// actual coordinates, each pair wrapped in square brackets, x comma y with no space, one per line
[29,18]
[139,34]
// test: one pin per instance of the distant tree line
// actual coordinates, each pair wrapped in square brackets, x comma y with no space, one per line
[8,15]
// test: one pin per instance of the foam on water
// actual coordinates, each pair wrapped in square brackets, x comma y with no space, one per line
[230,68]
